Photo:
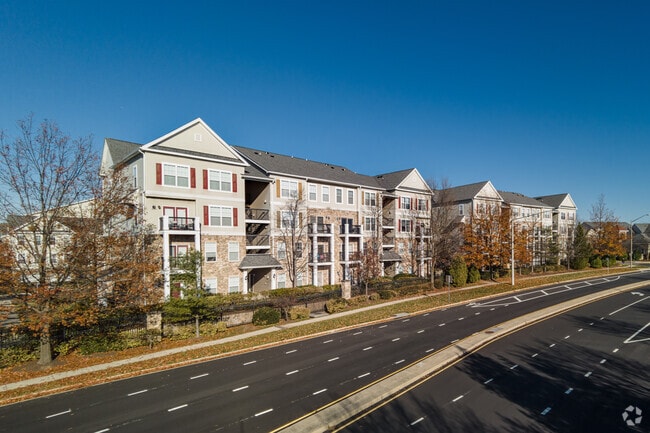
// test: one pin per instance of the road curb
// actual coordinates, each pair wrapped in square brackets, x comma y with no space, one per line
[342,410]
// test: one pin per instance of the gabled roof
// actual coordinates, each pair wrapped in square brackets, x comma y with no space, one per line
[398,179]
[468,192]
[271,163]
[522,200]
[117,151]
[257,261]
[557,200]
[158,145]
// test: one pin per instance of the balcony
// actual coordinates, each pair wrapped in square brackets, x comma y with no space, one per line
[388,222]
[388,240]
[423,232]
[320,258]
[352,229]
[258,241]
[257,214]
[178,224]
[320,229]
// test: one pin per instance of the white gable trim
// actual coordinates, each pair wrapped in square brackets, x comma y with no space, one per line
[197,121]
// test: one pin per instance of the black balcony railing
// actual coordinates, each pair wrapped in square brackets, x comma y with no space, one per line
[320,228]
[178,223]
[258,241]
[352,229]
[257,214]
[320,258]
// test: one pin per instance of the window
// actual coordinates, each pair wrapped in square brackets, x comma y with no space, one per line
[563,215]
[461,209]
[405,226]
[298,252]
[176,175]
[287,219]
[339,195]
[369,199]
[233,251]
[282,281]
[289,189]
[312,193]
[233,284]
[547,214]
[210,251]
[325,194]
[135,176]
[406,202]
[220,216]
[38,239]
[282,251]
[370,224]
[350,196]
[400,248]
[515,211]
[422,204]
[211,285]
[299,279]
[220,180]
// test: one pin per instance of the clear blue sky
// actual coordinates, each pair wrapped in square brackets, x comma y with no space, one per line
[540,97]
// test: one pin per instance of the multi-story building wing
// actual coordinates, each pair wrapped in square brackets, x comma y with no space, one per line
[189,184]
[405,222]
[472,198]
[534,216]
[564,219]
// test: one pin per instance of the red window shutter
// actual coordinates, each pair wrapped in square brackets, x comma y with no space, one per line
[399,202]
[206,215]
[205,179]
[234,182]
[399,225]
[234,217]
[193,177]
[158,173]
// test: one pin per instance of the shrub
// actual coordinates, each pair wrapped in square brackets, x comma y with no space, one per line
[458,271]
[15,355]
[596,263]
[386,294]
[403,276]
[335,305]
[266,316]
[101,343]
[438,282]
[474,276]
[299,313]
[374,296]
[66,347]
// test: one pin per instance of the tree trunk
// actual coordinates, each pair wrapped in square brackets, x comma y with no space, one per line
[45,347]
[196,325]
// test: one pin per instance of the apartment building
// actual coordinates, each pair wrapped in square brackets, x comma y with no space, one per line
[263,220]
[551,217]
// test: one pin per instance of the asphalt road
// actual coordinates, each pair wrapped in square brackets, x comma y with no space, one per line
[264,389]
[583,371]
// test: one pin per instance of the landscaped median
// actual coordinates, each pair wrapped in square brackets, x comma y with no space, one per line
[19,383]
[347,408]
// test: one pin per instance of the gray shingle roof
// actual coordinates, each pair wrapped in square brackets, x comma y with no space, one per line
[520,199]
[120,150]
[554,200]
[465,192]
[278,164]
[257,261]
[390,181]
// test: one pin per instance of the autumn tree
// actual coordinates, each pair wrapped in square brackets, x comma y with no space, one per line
[43,173]
[606,241]
[487,237]
[446,233]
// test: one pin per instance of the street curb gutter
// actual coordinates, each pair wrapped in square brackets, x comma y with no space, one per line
[336,413]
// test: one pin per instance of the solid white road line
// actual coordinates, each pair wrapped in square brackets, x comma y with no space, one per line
[58,414]
[417,421]
[587,374]
[264,412]
[357,333]
[333,359]
[615,350]
[318,392]
[291,351]
[241,388]
[488,381]
[363,375]
[291,372]
[395,339]
[420,331]
[199,376]
[568,391]
[328,341]
[177,407]
[400,361]
[457,398]
[603,361]
[137,392]
[547,410]
[552,345]
[383,326]
[627,306]
[367,348]
[514,366]
[103,431]
[249,362]
[534,355]
[429,350]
